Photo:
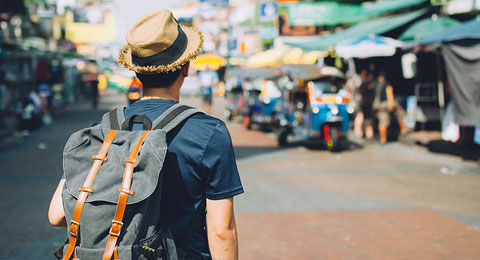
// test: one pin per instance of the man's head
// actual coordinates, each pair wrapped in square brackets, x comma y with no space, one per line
[381,76]
[163,80]
[159,50]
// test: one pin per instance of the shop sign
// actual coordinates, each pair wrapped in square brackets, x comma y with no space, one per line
[321,13]
[268,11]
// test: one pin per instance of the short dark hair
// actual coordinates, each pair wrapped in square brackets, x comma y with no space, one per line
[159,80]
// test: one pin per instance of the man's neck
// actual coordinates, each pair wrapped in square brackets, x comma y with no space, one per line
[171,92]
[162,93]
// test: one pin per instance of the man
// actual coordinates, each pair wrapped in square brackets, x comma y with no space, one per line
[200,171]
[384,103]
[364,116]
[208,79]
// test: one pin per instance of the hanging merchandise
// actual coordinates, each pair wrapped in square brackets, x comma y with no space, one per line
[450,130]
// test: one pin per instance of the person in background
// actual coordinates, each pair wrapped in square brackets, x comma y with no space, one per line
[384,103]
[365,115]
[208,79]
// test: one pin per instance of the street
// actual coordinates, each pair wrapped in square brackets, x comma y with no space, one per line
[371,201]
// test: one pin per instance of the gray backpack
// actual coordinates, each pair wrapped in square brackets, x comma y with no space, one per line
[113,206]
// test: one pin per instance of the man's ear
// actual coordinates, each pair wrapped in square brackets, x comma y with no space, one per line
[185,69]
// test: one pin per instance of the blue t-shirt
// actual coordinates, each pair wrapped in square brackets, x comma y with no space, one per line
[200,163]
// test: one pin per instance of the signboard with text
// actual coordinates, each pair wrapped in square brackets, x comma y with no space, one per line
[268,12]
[322,13]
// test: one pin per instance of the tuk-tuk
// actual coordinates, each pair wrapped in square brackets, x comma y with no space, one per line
[262,93]
[235,81]
[135,91]
[318,106]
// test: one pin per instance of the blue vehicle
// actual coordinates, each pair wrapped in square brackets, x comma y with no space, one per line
[261,102]
[318,109]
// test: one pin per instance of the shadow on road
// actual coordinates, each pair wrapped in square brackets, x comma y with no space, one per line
[243,152]
[466,151]
[312,144]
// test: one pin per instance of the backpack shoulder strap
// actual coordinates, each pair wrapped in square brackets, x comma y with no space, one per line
[175,115]
[113,119]
[85,190]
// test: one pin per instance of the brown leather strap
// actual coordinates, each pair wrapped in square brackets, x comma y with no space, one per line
[115,254]
[117,223]
[84,190]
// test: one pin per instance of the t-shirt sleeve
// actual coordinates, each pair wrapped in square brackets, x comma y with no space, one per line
[223,180]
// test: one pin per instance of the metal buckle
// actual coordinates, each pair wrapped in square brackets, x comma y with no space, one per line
[74,231]
[131,160]
[116,234]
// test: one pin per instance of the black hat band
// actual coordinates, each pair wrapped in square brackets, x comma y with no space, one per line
[167,56]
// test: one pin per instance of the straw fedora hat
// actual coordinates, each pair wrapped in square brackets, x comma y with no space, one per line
[158,44]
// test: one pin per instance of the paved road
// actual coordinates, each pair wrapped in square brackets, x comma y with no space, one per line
[370,202]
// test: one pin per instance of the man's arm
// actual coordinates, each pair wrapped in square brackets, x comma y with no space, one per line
[221,229]
[390,98]
[56,215]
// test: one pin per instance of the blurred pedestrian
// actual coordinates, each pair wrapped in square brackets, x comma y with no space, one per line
[94,92]
[384,103]
[30,115]
[365,116]
[208,79]
[197,175]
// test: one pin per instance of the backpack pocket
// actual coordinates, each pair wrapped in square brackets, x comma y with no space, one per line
[77,161]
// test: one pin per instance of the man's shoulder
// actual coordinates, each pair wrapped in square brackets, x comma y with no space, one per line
[205,121]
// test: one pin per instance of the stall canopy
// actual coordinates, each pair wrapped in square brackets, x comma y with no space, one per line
[377,26]
[301,71]
[466,30]
[462,62]
[428,27]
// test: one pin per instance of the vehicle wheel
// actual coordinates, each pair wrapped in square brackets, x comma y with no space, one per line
[333,144]
[283,138]
[229,115]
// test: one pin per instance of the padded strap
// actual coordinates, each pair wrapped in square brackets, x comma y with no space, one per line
[174,116]
[117,223]
[164,114]
[85,190]
[113,119]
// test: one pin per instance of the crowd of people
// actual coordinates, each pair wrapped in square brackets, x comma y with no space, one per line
[27,107]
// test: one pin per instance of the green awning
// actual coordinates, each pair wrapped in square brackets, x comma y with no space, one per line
[377,26]
[383,7]
[329,13]
[427,27]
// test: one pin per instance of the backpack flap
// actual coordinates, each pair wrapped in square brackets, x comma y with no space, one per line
[77,161]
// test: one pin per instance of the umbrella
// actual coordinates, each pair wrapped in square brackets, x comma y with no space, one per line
[214,62]
[427,27]
[365,47]
[268,58]
[292,56]
[312,57]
